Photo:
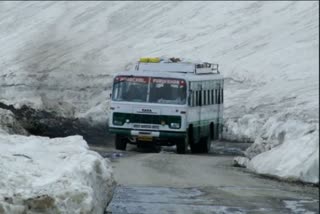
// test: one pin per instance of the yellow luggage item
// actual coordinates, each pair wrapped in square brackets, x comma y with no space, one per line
[144,59]
[154,60]
[149,59]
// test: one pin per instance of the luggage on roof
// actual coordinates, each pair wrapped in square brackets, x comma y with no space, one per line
[174,64]
[150,59]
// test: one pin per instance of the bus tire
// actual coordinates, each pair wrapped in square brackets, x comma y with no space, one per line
[120,143]
[182,145]
[194,148]
[192,144]
[157,148]
[211,131]
[205,144]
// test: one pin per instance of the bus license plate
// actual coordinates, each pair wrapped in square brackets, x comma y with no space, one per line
[145,138]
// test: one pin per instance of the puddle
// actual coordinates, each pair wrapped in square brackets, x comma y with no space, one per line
[112,155]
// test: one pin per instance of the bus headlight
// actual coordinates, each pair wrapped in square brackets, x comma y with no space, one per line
[118,119]
[175,125]
[117,122]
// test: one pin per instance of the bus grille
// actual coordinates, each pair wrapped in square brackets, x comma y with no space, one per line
[146,118]
[138,126]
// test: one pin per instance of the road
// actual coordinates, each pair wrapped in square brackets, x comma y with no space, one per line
[166,182]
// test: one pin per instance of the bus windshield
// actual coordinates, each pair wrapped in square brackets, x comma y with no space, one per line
[149,89]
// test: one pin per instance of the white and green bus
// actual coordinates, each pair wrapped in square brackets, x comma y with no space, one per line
[164,102]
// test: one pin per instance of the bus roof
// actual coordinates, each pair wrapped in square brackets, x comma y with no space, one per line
[163,74]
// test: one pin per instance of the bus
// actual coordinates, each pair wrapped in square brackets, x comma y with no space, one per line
[167,102]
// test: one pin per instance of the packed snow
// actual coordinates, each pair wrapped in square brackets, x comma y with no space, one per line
[61,55]
[285,148]
[9,124]
[60,175]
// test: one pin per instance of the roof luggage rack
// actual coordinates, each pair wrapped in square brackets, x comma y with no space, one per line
[206,68]
[176,65]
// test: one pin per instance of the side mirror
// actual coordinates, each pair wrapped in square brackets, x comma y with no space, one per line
[110,95]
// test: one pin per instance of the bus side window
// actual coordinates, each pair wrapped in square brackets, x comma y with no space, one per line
[209,97]
[197,100]
[222,95]
[204,93]
[212,96]
[192,98]
[219,96]
[216,96]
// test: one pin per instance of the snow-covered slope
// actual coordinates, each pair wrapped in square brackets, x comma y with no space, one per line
[60,55]
[66,50]
[61,175]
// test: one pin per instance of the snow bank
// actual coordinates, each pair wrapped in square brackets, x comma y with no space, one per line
[288,150]
[42,175]
[295,159]
[285,148]
[244,129]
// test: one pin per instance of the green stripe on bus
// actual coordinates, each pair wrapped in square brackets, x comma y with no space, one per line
[205,123]
[126,132]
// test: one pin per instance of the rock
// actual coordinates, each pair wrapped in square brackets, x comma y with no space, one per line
[241,161]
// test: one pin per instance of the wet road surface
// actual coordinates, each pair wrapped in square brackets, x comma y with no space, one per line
[165,182]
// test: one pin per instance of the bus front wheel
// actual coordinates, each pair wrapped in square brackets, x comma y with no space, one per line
[120,143]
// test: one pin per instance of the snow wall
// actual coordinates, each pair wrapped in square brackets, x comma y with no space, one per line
[60,175]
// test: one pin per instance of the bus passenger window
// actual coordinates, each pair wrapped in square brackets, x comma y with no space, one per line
[197,98]
[205,97]
[212,96]
[222,95]
[193,98]
[219,97]
[216,96]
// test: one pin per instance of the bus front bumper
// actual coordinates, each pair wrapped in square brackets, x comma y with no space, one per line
[151,133]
